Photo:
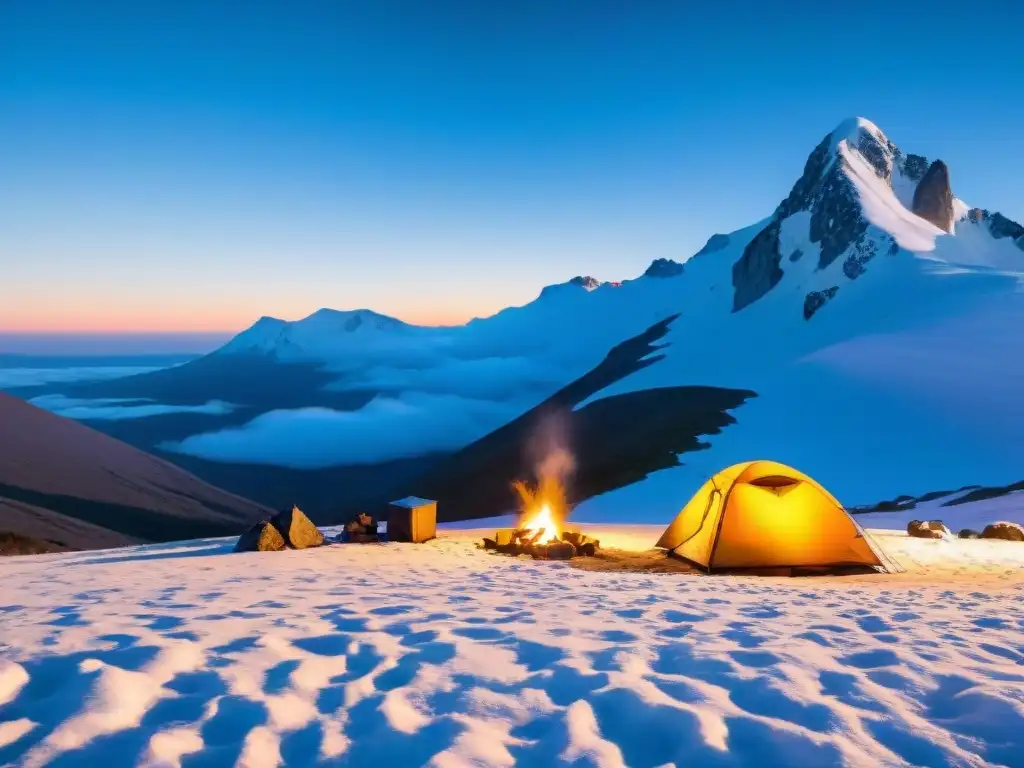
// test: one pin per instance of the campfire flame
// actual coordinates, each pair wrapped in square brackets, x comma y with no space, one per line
[544,508]
[544,523]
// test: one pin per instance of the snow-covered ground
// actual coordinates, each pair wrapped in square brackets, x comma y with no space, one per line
[442,654]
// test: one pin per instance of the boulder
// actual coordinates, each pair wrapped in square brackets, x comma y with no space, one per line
[967,533]
[262,537]
[931,529]
[933,198]
[1004,531]
[297,529]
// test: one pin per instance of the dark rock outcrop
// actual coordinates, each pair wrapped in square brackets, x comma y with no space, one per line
[1004,531]
[815,300]
[863,252]
[914,167]
[1000,227]
[757,271]
[879,156]
[967,533]
[262,537]
[804,191]
[664,268]
[796,255]
[933,198]
[931,529]
[836,219]
[296,529]
[715,243]
[586,281]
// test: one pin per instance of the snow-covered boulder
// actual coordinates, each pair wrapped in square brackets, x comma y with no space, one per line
[1005,531]
[928,529]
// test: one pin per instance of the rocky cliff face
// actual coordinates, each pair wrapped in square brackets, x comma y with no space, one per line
[998,225]
[933,198]
[757,271]
[664,268]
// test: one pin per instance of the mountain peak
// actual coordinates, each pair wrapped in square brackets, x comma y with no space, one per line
[586,282]
[662,268]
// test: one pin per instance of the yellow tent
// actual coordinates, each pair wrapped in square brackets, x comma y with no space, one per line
[762,514]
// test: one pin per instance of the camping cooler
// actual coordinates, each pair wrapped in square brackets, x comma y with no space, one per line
[412,519]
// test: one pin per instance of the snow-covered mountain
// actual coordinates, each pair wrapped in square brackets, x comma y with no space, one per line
[874,313]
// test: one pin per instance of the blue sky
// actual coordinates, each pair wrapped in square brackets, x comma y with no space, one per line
[191,166]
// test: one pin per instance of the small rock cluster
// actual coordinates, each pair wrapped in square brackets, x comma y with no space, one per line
[935,529]
[362,530]
[290,529]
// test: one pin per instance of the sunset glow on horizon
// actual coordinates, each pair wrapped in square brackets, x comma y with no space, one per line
[193,167]
[69,320]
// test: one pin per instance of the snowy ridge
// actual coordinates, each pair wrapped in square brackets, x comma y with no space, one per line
[323,333]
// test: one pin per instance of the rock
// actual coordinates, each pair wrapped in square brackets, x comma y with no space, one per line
[757,271]
[967,533]
[878,156]
[932,529]
[1001,227]
[262,537]
[933,198]
[796,254]
[664,268]
[586,281]
[836,220]
[297,529]
[815,300]
[863,252]
[914,167]
[802,195]
[1004,531]
[715,243]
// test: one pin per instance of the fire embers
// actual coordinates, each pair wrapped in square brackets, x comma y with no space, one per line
[526,541]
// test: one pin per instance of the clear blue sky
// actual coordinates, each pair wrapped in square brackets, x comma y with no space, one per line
[195,164]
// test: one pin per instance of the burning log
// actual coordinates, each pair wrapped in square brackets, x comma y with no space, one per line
[527,541]
[561,550]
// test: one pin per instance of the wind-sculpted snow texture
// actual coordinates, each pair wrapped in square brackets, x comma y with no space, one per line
[442,655]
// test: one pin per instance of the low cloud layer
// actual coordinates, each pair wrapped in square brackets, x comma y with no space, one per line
[386,428]
[114,409]
[486,378]
[12,378]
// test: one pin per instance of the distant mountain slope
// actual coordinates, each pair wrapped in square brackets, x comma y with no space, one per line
[66,483]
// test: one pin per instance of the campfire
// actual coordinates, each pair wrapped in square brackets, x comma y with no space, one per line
[542,531]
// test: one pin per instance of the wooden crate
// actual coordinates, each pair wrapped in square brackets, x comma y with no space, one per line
[412,519]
